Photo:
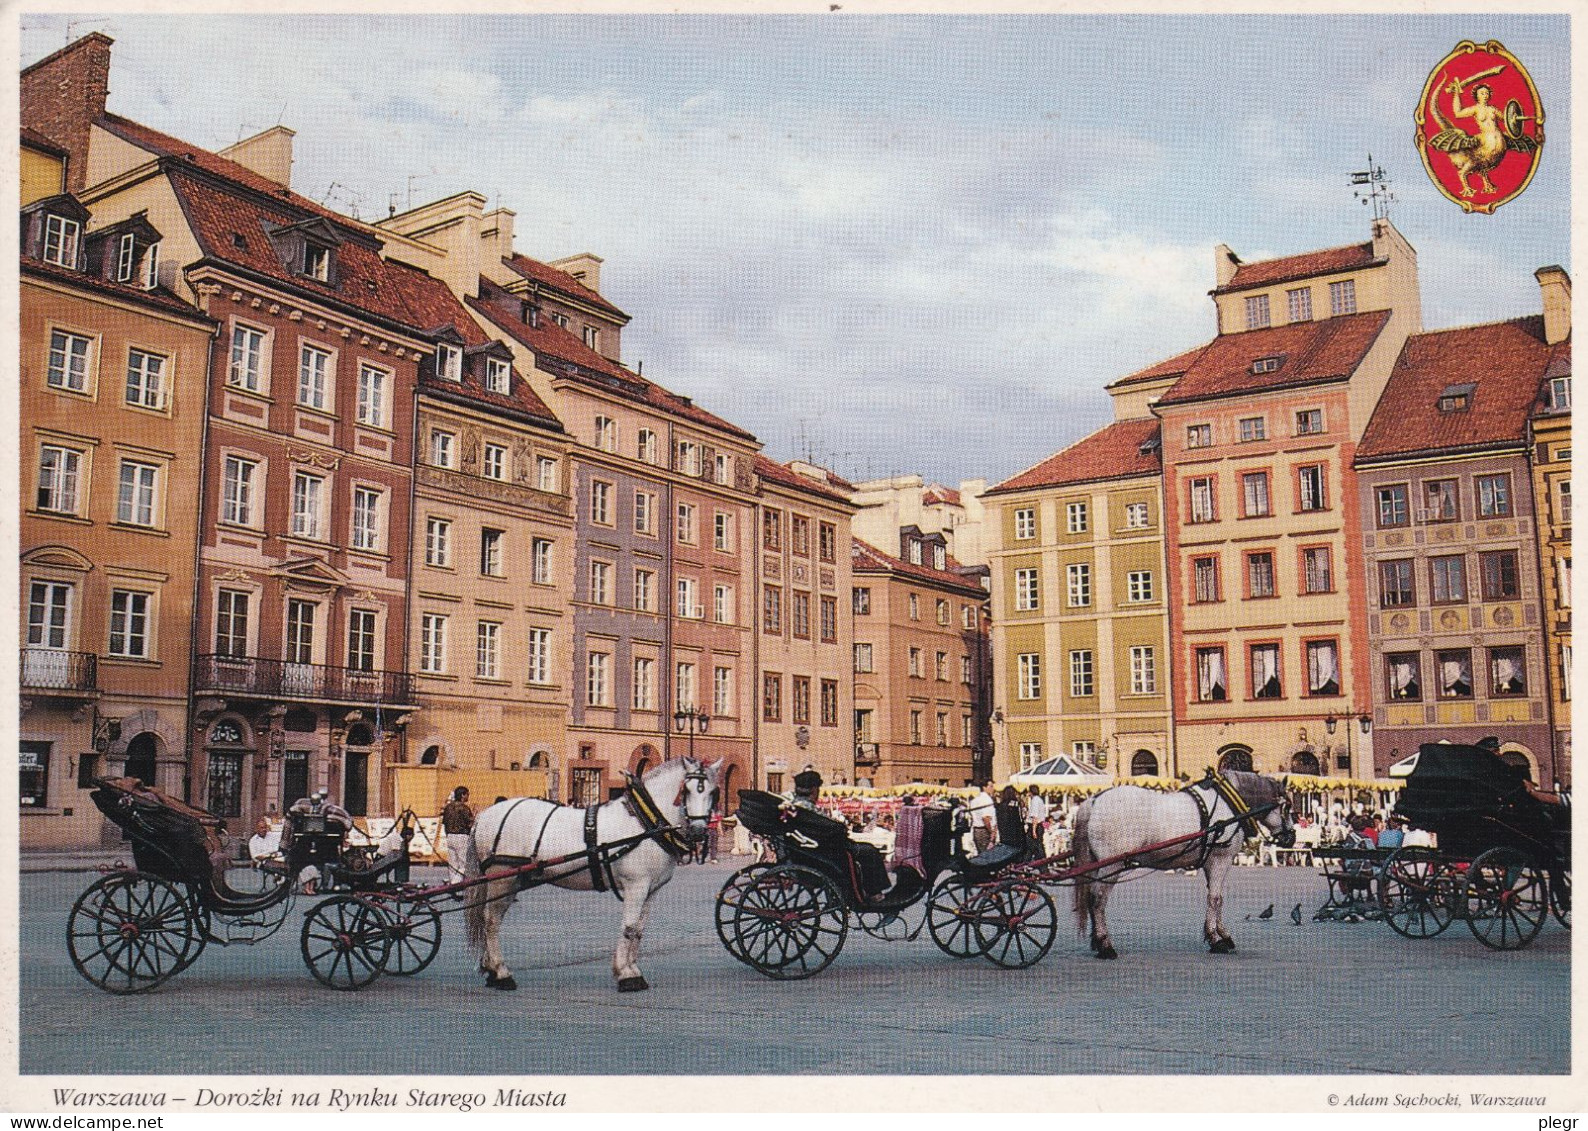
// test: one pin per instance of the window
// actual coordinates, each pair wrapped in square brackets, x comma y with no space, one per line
[598,680]
[135,493]
[317,262]
[1500,579]
[800,699]
[915,663]
[800,535]
[361,640]
[237,490]
[1494,496]
[1025,522]
[1323,668]
[1442,500]
[314,367]
[1310,484]
[915,551]
[442,448]
[1309,422]
[231,622]
[1136,516]
[601,583]
[247,361]
[49,604]
[1563,582]
[1254,494]
[546,474]
[1268,364]
[967,618]
[1075,519]
[1081,672]
[60,240]
[643,697]
[1202,508]
[827,541]
[366,518]
[829,705]
[1392,505]
[771,529]
[438,543]
[493,461]
[151,267]
[772,609]
[372,388]
[1028,669]
[601,503]
[942,728]
[1298,304]
[772,697]
[1256,312]
[1265,671]
[645,590]
[491,547]
[722,604]
[1395,585]
[1455,673]
[1448,578]
[487,650]
[1205,577]
[863,658]
[1199,436]
[1317,569]
[540,561]
[943,616]
[722,692]
[645,446]
[1403,673]
[1559,394]
[68,362]
[1507,672]
[449,362]
[1030,754]
[829,619]
[964,670]
[721,470]
[1456,398]
[915,605]
[1138,586]
[1260,574]
[1026,594]
[1143,670]
[592,337]
[606,433]
[560,318]
[129,624]
[722,532]
[686,523]
[1079,585]
[1565,672]
[644,512]
[1253,428]
[539,655]
[1212,683]
[497,376]
[1342,297]
[688,458]
[308,496]
[800,615]
[862,601]
[941,667]
[301,616]
[915,728]
[433,643]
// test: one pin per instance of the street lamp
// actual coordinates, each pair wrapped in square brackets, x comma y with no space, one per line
[1365,721]
[690,722]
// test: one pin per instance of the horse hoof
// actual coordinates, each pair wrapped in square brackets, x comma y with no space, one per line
[1107,951]
[506,983]
[1222,946]
[632,985]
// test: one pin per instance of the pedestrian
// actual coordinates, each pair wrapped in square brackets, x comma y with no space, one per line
[1036,819]
[807,788]
[1011,822]
[982,814]
[265,843]
[457,822]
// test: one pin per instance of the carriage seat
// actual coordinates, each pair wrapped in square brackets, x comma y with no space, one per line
[995,859]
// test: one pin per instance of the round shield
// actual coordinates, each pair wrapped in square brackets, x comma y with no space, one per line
[1514,119]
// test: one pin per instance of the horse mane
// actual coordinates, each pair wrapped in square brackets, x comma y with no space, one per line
[1255,788]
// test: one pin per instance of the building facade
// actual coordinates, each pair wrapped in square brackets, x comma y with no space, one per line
[1549,433]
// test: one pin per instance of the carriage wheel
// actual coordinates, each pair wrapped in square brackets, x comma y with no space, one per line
[790,922]
[346,941]
[129,932]
[1560,897]
[951,917]
[415,936]
[1414,891]
[1017,925]
[1507,900]
[728,905]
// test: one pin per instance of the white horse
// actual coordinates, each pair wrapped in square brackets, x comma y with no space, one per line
[636,861]
[1124,824]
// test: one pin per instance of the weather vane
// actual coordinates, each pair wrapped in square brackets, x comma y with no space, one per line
[1372,185]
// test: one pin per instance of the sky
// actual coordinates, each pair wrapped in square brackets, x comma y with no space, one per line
[889,243]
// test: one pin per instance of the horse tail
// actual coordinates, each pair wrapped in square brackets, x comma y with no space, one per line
[1081,845]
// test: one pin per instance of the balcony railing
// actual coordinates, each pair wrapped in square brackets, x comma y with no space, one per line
[50,669]
[867,754]
[278,679]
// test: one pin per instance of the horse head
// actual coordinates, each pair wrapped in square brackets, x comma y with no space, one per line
[1259,790]
[697,796]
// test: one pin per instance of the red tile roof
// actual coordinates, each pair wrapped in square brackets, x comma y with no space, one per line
[936,494]
[786,476]
[1505,361]
[159,298]
[1310,352]
[1169,367]
[559,280]
[866,558]
[582,363]
[1326,262]
[1112,452]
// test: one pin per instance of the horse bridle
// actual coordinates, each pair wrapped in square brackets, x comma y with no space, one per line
[1240,813]
[696,774]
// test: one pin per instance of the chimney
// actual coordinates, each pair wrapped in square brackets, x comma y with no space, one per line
[584,267]
[63,94]
[1555,288]
[1225,262]
[496,236]
[269,154]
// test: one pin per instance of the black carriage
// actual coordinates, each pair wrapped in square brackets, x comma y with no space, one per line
[1503,860]
[790,919]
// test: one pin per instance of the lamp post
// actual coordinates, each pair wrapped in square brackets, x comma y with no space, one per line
[1364,721]
[688,721]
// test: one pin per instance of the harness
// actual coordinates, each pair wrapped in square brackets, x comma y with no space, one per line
[1223,790]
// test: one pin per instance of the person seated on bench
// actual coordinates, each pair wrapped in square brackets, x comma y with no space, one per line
[873,872]
[265,844]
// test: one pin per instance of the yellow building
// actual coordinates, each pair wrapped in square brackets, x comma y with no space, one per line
[1550,432]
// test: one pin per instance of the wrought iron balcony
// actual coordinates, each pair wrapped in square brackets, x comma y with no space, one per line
[867,754]
[53,670]
[258,677]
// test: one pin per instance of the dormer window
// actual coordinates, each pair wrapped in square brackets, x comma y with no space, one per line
[592,337]
[151,267]
[915,551]
[126,257]
[449,363]
[1560,393]
[560,319]
[1456,398]
[939,557]
[496,375]
[1257,312]
[317,262]
[529,313]
[61,236]
[1267,364]
[308,248]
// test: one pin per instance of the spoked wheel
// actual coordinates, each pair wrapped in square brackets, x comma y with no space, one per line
[1414,891]
[131,931]
[790,922]
[415,936]
[1560,898]
[1017,925]
[346,941]
[728,906]
[1507,899]
[951,917]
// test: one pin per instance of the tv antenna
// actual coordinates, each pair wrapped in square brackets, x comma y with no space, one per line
[344,195]
[1372,186]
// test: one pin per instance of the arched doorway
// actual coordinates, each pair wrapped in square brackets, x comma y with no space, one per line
[142,755]
[227,744]
[1304,762]
[1236,758]
[1519,760]
[355,769]
[1144,764]
[644,757]
[728,789]
[431,756]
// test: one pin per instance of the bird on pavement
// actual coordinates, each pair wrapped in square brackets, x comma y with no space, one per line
[1295,914]
[1268,913]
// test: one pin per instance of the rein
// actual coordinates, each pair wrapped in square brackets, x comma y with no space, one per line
[649,814]
[1223,790]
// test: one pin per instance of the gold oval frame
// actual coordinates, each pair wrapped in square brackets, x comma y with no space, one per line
[1467,47]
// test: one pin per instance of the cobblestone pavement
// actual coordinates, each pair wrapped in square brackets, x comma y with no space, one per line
[1315,998]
